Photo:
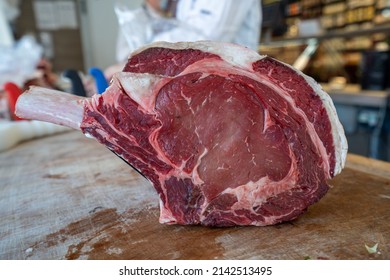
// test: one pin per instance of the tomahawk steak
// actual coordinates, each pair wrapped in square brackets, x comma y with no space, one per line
[226,136]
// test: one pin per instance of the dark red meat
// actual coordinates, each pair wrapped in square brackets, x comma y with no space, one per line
[242,140]
[226,136]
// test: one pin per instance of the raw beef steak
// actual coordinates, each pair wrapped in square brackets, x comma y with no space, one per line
[226,136]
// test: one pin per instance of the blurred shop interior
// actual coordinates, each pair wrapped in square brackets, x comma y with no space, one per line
[344,45]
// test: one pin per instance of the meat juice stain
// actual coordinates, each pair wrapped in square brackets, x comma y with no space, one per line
[105,234]
[148,239]
[74,251]
[88,227]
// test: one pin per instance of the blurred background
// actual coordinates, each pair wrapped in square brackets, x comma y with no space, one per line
[75,34]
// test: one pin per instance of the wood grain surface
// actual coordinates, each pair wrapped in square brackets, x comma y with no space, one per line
[67,197]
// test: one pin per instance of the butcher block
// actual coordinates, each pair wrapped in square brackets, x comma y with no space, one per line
[67,197]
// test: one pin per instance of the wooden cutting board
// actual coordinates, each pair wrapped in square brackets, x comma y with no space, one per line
[67,197]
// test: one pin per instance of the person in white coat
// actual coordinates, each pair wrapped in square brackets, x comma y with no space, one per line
[218,20]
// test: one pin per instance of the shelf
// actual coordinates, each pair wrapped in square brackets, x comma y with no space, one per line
[354,95]
[328,35]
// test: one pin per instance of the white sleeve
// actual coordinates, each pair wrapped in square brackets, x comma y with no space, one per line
[122,48]
[134,31]
[217,20]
